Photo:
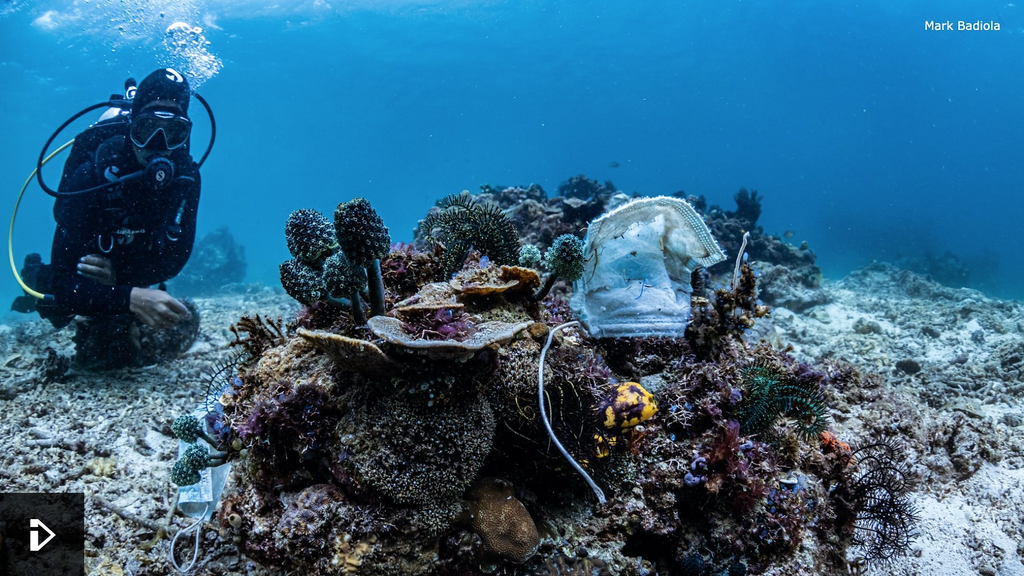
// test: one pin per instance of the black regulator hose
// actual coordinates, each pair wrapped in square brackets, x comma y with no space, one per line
[213,129]
[118,103]
[42,155]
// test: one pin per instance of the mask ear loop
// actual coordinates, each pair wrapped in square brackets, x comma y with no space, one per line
[544,415]
[197,525]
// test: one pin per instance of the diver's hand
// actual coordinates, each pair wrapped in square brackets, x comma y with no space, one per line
[98,269]
[157,308]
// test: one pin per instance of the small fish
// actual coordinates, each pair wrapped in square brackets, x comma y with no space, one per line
[788,234]
[613,164]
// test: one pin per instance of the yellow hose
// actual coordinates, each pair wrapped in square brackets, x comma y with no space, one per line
[10,233]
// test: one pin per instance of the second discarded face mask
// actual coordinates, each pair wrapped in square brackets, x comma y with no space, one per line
[200,500]
[639,261]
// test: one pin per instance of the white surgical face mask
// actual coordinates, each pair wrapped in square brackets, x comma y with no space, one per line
[639,258]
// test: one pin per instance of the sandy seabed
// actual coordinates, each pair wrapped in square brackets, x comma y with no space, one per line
[951,362]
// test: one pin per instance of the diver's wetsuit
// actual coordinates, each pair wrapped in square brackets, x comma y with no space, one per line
[147,234]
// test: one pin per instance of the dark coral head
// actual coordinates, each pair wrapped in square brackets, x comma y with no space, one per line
[342,277]
[361,232]
[302,281]
[309,235]
[565,257]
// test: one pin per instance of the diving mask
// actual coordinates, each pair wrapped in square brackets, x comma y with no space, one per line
[175,129]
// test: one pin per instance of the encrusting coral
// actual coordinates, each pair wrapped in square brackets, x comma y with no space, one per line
[414,443]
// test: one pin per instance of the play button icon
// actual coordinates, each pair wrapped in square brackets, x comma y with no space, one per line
[34,544]
[42,534]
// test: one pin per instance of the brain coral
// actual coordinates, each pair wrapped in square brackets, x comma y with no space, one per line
[506,529]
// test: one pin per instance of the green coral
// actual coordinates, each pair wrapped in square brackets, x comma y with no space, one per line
[195,458]
[565,257]
[565,260]
[529,256]
[187,428]
[462,224]
[183,475]
[770,396]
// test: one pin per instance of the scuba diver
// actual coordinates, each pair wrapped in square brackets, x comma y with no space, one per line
[126,221]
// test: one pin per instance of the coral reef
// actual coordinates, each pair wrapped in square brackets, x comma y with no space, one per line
[421,442]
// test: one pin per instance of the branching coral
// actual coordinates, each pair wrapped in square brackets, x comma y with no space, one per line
[748,208]
[463,224]
[727,315]
[261,334]
[583,188]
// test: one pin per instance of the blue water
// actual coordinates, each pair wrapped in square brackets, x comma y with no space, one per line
[867,135]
